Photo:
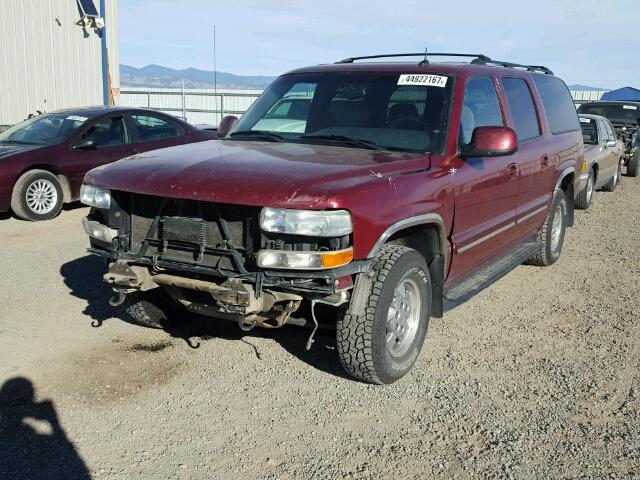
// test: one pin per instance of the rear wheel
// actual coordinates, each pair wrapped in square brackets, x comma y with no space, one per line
[586,195]
[633,164]
[551,235]
[381,343]
[154,309]
[37,195]
[613,183]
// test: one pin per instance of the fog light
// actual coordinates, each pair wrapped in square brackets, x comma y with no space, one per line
[304,260]
[99,231]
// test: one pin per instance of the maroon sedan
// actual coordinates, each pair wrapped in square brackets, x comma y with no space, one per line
[43,160]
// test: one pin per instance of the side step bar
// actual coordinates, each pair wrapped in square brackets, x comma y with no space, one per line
[488,274]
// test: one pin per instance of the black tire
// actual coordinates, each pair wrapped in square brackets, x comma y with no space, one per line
[583,201]
[615,180]
[550,253]
[362,335]
[633,164]
[19,203]
[154,309]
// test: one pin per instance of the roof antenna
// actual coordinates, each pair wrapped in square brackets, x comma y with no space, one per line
[425,60]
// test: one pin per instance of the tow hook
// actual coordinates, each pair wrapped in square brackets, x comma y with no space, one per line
[118,298]
[246,326]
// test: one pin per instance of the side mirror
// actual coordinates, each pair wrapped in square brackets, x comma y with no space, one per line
[491,142]
[610,143]
[226,124]
[86,144]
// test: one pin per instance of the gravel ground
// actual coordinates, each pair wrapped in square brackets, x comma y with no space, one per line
[536,377]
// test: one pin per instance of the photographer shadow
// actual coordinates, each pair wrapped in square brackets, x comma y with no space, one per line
[83,276]
[26,452]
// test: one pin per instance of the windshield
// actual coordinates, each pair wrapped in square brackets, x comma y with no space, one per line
[43,129]
[386,111]
[616,113]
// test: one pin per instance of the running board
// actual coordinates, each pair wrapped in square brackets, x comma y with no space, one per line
[486,275]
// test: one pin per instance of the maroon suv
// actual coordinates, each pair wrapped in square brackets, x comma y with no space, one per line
[384,190]
[43,159]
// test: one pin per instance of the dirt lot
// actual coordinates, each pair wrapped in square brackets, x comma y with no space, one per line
[536,377]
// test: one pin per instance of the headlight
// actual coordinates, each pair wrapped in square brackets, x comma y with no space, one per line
[95,196]
[304,260]
[312,223]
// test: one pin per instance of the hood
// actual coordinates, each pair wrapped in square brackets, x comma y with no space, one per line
[253,173]
[11,149]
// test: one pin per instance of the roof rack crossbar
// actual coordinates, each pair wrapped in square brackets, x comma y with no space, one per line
[478,59]
[421,54]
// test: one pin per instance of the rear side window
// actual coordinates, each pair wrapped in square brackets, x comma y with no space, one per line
[558,105]
[480,108]
[523,111]
[153,128]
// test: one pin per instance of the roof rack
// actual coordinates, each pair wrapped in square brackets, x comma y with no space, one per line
[478,59]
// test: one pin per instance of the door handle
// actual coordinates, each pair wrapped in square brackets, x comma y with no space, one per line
[134,151]
[544,161]
[513,169]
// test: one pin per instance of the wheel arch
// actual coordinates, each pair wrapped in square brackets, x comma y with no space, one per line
[566,181]
[596,170]
[64,181]
[425,234]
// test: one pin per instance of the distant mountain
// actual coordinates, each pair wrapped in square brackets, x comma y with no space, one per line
[586,88]
[159,76]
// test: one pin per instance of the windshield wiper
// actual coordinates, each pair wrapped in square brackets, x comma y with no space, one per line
[15,142]
[357,142]
[269,137]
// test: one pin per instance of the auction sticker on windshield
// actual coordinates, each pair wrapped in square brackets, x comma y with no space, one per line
[76,118]
[629,107]
[426,80]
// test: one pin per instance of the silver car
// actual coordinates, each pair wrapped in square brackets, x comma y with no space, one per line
[603,155]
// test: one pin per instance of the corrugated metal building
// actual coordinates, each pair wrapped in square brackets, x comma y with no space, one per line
[51,55]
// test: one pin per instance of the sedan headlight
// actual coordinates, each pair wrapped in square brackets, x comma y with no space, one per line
[312,223]
[95,196]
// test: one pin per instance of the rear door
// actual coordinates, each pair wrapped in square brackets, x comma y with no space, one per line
[151,131]
[486,188]
[532,157]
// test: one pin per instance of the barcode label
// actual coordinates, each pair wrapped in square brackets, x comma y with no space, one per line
[425,80]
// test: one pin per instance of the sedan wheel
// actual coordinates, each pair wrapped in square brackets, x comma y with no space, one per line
[41,197]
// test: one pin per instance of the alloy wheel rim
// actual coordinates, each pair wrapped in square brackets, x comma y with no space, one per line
[41,197]
[556,228]
[403,317]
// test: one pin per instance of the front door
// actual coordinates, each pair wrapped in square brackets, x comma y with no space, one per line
[485,189]
[110,143]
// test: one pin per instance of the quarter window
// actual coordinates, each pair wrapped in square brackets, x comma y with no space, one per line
[558,105]
[523,111]
[480,108]
[153,128]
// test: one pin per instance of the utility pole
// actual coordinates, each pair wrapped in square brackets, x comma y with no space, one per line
[215,69]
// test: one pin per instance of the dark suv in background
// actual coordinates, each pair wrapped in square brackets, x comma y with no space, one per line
[390,189]
[625,117]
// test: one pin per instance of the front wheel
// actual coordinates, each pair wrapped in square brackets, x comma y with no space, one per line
[37,195]
[586,195]
[380,343]
[615,180]
[551,235]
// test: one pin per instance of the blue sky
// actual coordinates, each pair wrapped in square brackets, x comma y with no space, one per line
[593,42]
